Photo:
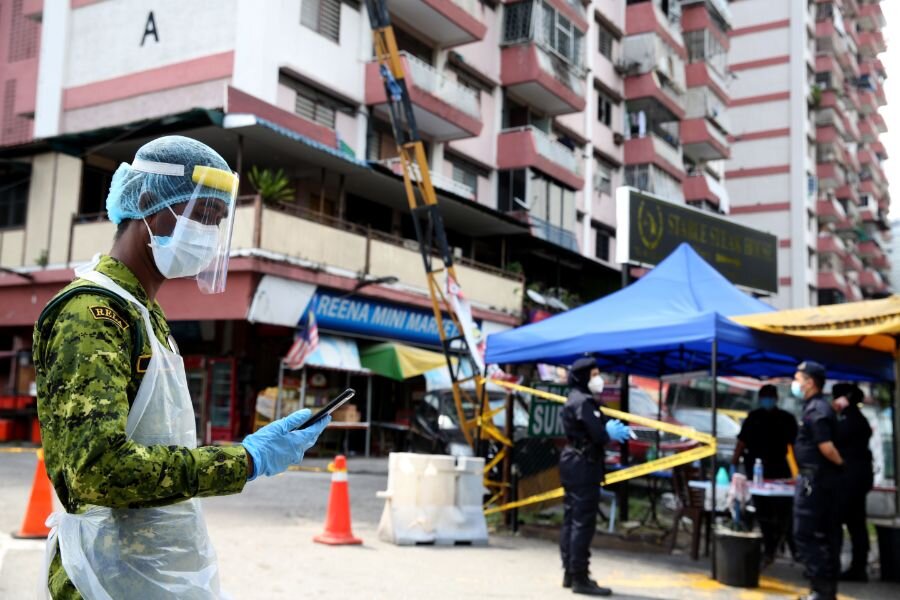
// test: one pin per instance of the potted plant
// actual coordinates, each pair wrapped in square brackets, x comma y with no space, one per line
[273,186]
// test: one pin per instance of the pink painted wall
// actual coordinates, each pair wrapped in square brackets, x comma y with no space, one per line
[19,54]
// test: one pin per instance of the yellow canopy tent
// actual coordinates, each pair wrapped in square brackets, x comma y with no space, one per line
[872,324]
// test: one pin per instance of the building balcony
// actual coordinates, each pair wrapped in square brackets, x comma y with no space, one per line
[545,230]
[870,17]
[867,102]
[645,17]
[652,149]
[852,262]
[881,263]
[543,80]
[869,249]
[831,175]
[827,64]
[702,140]
[438,180]
[830,244]
[650,87]
[867,131]
[871,280]
[446,22]
[831,280]
[871,43]
[829,210]
[444,109]
[706,100]
[529,147]
[879,149]
[879,122]
[830,40]
[848,193]
[703,188]
[305,238]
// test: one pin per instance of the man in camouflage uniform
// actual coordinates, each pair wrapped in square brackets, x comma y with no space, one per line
[90,354]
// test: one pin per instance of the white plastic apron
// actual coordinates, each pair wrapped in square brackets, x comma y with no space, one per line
[146,553]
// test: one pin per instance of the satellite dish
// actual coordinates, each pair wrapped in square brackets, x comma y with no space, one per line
[536,297]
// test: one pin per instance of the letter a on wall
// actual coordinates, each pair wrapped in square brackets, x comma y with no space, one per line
[150,29]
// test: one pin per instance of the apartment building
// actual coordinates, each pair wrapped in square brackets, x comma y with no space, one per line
[506,95]
[806,161]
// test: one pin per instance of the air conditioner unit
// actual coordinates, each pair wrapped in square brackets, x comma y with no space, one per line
[618,139]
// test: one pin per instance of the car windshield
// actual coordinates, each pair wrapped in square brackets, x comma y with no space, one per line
[495,399]
[699,419]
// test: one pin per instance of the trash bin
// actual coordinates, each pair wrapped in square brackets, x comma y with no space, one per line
[738,556]
[889,551]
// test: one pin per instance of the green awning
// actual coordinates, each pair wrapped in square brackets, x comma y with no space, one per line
[398,361]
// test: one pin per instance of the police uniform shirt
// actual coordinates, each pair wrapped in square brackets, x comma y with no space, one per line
[818,426]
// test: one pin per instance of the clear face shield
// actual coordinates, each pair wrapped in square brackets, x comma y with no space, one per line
[192,239]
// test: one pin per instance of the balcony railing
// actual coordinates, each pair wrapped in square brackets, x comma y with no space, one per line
[429,79]
[547,231]
[554,151]
[439,180]
[293,234]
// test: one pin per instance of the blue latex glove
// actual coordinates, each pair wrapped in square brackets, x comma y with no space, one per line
[275,447]
[617,430]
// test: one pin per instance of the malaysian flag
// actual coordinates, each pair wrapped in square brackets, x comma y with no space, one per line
[304,345]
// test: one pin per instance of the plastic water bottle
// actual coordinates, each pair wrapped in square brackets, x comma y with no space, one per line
[722,476]
[758,472]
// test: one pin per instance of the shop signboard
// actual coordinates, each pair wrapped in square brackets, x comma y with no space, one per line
[650,228]
[545,416]
[338,312]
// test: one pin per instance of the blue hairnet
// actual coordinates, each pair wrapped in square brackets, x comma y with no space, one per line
[166,184]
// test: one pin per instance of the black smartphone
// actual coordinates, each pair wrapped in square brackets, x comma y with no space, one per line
[329,408]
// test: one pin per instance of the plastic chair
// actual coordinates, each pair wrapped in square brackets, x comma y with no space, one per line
[690,505]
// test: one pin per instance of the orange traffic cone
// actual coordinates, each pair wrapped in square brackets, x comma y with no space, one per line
[337,523]
[40,504]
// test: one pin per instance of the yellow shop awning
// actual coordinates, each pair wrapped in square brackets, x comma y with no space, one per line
[873,324]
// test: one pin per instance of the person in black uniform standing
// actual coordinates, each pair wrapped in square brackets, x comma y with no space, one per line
[852,441]
[581,470]
[766,434]
[817,522]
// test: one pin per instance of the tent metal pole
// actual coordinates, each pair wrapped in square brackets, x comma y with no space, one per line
[277,413]
[369,416]
[715,407]
[624,404]
[896,427]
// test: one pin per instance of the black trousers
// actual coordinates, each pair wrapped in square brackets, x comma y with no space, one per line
[855,485]
[817,532]
[579,523]
[775,516]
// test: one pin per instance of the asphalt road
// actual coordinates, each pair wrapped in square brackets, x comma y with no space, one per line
[263,537]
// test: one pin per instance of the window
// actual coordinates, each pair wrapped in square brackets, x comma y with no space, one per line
[13,200]
[601,242]
[604,109]
[604,177]
[323,17]
[517,22]
[94,189]
[313,104]
[605,40]
[560,35]
[463,173]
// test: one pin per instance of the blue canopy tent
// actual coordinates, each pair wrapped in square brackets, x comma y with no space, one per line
[672,320]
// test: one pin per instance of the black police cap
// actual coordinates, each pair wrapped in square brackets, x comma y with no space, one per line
[812,368]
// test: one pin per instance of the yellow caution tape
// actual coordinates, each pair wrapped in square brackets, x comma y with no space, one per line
[686,432]
[660,464]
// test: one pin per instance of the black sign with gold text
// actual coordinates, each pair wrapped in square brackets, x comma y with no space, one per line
[743,255]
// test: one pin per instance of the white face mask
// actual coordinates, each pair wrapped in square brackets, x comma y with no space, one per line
[189,250]
[596,384]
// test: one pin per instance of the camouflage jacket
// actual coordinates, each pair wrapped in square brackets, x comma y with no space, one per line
[89,354]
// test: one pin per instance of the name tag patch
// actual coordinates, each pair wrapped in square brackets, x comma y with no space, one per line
[104,313]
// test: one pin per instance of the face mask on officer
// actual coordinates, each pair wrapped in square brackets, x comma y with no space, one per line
[767,402]
[596,384]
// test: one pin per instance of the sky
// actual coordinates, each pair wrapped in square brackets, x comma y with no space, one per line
[891,112]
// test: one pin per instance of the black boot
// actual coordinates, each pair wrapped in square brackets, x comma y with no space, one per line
[567,579]
[822,590]
[582,584]
[855,573]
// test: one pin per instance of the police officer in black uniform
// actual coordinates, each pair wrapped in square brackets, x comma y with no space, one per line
[817,522]
[852,441]
[581,470]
